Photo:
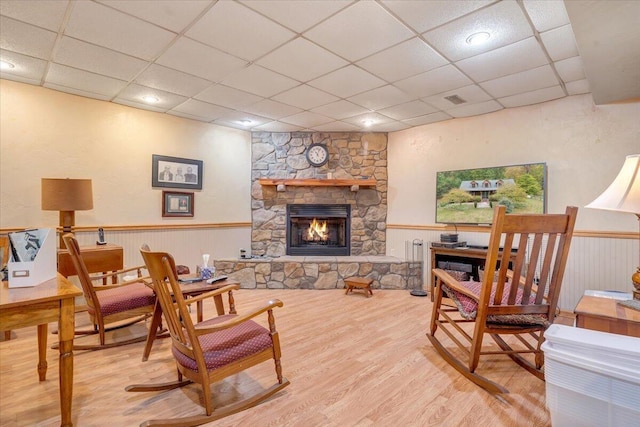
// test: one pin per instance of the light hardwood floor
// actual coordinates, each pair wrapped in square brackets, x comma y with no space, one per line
[351,360]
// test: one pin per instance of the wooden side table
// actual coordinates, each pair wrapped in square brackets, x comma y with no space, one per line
[97,258]
[605,315]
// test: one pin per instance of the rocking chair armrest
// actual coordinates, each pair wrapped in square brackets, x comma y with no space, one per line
[213,293]
[452,283]
[271,304]
[121,284]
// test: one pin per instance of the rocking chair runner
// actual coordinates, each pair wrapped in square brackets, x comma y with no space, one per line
[212,350]
[126,303]
[520,302]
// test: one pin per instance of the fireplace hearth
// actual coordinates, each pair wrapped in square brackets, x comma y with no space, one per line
[318,229]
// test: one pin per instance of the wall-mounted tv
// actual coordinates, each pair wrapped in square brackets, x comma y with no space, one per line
[468,196]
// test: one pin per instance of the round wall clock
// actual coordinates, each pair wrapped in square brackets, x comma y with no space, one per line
[317,154]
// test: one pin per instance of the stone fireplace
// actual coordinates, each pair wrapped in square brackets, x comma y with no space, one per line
[352,156]
[323,229]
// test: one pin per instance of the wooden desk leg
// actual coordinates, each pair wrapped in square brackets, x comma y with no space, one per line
[65,337]
[199,311]
[156,320]
[217,299]
[43,330]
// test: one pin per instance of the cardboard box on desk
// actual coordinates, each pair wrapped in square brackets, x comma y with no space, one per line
[42,268]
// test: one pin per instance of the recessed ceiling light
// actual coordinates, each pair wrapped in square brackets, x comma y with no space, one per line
[245,122]
[368,122]
[4,65]
[478,38]
[150,99]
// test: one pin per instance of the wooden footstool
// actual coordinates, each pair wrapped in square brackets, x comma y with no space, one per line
[360,283]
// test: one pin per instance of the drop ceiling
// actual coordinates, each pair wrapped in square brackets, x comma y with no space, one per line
[332,65]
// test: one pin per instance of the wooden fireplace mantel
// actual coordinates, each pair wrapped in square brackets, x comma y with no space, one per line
[312,182]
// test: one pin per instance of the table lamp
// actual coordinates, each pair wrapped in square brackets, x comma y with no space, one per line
[623,195]
[67,196]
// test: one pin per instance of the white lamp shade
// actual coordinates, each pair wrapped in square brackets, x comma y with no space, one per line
[623,195]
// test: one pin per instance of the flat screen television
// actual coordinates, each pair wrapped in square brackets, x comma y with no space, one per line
[468,196]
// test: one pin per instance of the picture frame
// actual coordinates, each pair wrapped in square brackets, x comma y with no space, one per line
[176,172]
[177,204]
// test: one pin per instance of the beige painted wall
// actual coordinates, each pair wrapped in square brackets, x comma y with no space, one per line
[45,133]
[584,146]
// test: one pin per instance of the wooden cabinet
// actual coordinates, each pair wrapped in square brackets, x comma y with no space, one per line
[98,259]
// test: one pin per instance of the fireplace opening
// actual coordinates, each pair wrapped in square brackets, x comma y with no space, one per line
[314,229]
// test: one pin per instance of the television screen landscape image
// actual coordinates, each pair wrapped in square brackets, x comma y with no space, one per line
[468,196]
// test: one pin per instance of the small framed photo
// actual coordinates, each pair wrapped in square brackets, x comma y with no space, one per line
[177,204]
[176,172]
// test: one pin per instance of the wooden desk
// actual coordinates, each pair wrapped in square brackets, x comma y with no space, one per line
[51,301]
[97,258]
[605,315]
[188,290]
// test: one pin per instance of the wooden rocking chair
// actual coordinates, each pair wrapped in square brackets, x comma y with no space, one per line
[120,304]
[212,350]
[520,301]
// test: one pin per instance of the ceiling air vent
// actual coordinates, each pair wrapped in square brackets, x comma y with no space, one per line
[455,99]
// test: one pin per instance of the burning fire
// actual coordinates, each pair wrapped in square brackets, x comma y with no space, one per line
[317,231]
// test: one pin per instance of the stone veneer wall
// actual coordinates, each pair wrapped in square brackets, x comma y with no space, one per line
[351,155]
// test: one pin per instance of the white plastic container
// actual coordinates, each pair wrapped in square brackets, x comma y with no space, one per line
[592,378]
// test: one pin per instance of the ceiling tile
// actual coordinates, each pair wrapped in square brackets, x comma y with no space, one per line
[227,96]
[26,39]
[140,105]
[306,119]
[238,30]
[337,126]
[560,43]
[174,15]
[472,94]
[260,81]
[79,92]
[514,58]
[408,110]
[404,60]
[475,109]
[389,127]
[305,97]
[201,109]
[83,80]
[429,118]
[504,21]
[570,69]
[534,97]
[434,81]
[376,118]
[166,100]
[110,28]
[425,15]
[278,127]
[89,57]
[546,15]
[381,97]
[298,15]
[578,87]
[25,68]
[199,60]
[48,13]
[271,109]
[238,117]
[167,79]
[347,81]
[188,116]
[360,30]
[340,109]
[525,81]
[302,60]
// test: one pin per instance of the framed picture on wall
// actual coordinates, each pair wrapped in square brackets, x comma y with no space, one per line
[177,204]
[176,172]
